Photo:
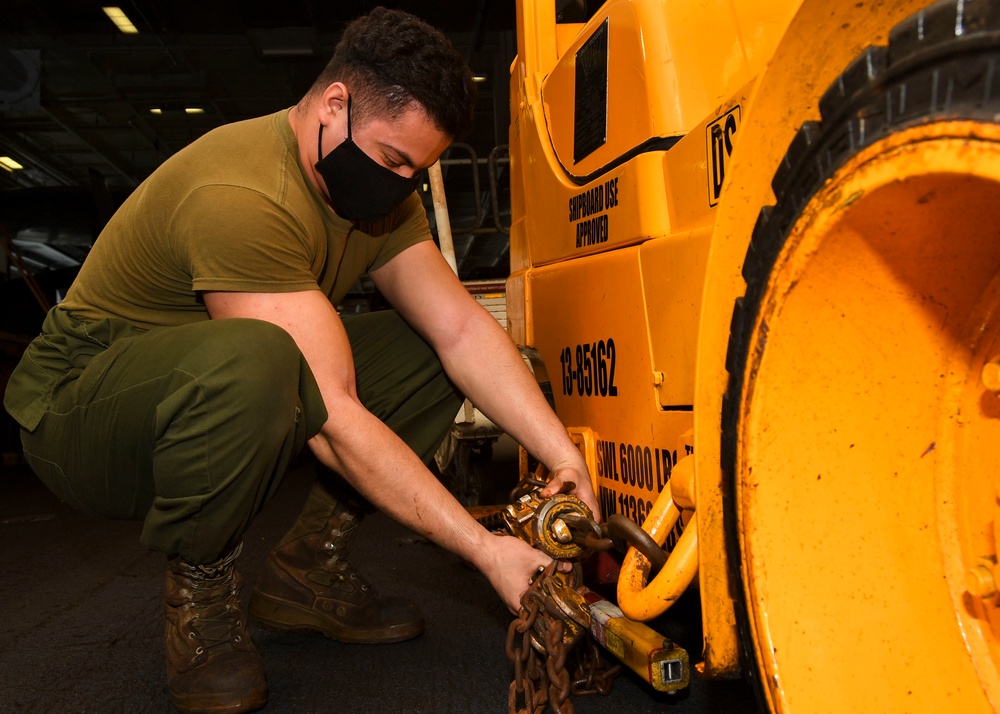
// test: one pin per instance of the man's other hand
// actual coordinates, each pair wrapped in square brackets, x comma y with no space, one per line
[509,563]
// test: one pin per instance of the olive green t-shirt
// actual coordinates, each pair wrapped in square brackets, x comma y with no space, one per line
[232,211]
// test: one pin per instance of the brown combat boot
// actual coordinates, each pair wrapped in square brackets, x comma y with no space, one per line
[308,585]
[212,665]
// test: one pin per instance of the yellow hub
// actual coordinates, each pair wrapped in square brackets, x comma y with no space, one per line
[968,480]
[868,442]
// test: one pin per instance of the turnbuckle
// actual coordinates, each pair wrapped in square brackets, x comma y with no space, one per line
[562,527]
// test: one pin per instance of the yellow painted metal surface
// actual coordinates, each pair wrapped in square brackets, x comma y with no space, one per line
[642,303]
[821,40]
[586,440]
[662,201]
[671,66]
[599,365]
[673,271]
[643,250]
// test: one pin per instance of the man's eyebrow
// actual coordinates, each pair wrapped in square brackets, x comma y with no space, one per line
[403,157]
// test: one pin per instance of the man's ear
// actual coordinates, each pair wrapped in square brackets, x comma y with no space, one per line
[332,102]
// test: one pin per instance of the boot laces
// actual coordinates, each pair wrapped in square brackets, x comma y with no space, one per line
[214,624]
[335,546]
[215,598]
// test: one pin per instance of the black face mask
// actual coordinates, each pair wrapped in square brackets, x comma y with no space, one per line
[360,188]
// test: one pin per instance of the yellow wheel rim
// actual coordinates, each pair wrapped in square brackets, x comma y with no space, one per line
[870,342]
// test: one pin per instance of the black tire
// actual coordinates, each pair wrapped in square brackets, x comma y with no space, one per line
[941,64]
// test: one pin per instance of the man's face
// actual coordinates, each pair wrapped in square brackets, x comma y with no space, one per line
[404,145]
[372,173]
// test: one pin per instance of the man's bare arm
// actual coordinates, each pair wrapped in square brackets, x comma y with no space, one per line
[482,361]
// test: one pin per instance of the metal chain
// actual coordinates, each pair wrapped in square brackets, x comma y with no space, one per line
[543,630]
[592,674]
[529,685]
[555,667]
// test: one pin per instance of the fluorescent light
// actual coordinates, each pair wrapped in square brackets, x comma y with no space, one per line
[117,16]
[174,109]
[479,78]
[9,163]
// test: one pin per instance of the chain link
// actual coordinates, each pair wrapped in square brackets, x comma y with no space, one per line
[542,642]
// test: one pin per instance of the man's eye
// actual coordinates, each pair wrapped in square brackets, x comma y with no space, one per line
[390,163]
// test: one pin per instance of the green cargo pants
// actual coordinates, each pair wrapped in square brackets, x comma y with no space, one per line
[191,428]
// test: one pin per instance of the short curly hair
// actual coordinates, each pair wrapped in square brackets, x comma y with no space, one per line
[389,58]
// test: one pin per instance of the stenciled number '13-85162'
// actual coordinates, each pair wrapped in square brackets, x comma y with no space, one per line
[589,370]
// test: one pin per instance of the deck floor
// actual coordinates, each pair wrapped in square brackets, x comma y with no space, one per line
[81,624]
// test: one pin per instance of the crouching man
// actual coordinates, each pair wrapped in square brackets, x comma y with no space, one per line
[199,350]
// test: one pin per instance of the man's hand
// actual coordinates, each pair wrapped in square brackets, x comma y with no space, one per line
[509,563]
[574,479]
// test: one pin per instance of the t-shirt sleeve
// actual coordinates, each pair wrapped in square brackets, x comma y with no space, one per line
[408,226]
[237,239]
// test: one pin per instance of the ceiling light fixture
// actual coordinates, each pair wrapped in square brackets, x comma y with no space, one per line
[118,16]
[174,109]
[9,163]
[479,78]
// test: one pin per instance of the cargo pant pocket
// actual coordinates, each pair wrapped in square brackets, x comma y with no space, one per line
[54,478]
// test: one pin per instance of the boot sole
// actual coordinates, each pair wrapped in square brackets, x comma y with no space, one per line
[284,616]
[192,706]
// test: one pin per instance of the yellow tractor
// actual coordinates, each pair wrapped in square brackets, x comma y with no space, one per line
[756,246]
